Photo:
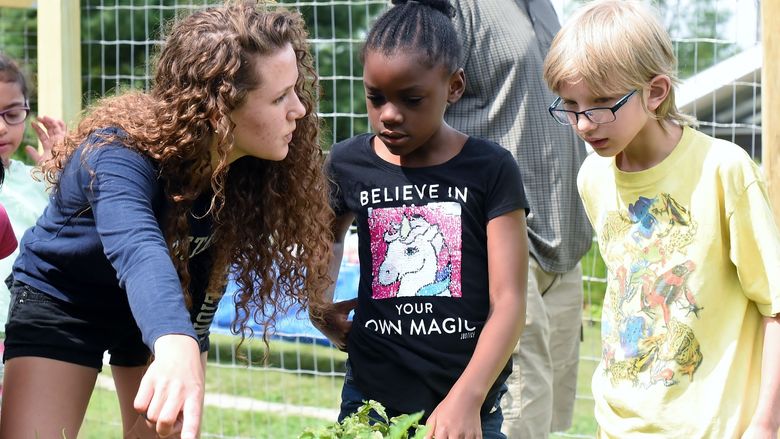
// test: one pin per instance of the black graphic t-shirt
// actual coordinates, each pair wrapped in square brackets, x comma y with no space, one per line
[423,295]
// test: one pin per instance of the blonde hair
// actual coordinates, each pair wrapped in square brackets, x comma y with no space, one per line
[615,46]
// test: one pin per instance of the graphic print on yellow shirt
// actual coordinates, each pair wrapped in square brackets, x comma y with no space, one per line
[645,341]
[416,250]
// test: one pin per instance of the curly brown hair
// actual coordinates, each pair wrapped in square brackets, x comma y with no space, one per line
[271,219]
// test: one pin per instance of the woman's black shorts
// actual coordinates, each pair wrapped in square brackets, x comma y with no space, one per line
[40,325]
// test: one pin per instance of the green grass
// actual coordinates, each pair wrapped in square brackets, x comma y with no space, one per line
[583,422]
[593,267]
[286,378]
[104,422]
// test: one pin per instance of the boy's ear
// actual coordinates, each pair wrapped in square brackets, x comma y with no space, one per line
[660,86]
[457,86]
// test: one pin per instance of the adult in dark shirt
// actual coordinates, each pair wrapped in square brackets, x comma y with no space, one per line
[505,101]
[157,197]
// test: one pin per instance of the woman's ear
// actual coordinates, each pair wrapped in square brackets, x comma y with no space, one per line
[659,88]
[457,86]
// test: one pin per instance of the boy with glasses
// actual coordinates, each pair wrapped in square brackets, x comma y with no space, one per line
[690,329]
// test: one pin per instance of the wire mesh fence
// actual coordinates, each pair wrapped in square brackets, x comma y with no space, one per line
[298,385]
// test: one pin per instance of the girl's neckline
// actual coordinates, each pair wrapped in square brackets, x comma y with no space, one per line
[368,144]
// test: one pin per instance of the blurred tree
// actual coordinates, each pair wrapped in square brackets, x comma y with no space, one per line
[698,29]
[120,39]
[337,30]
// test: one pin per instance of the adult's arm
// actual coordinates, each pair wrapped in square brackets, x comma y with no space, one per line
[120,185]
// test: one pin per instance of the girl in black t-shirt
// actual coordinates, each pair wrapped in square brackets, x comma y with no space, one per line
[442,238]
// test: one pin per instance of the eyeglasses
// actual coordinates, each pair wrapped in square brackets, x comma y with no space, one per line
[597,115]
[16,115]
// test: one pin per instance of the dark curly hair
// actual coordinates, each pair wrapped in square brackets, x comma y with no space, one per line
[271,219]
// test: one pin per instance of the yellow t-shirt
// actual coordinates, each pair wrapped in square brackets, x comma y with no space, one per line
[693,262]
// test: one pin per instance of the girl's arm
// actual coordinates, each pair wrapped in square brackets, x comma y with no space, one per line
[766,420]
[331,320]
[458,414]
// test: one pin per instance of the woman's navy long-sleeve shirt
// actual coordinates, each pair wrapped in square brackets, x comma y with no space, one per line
[99,244]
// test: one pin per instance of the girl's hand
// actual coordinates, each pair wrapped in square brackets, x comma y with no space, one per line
[334,324]
[171,391]
[455,417]
[53,134]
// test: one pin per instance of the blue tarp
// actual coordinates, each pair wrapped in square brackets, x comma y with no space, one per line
[293,325]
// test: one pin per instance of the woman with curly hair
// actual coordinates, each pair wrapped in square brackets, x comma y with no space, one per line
[157,198]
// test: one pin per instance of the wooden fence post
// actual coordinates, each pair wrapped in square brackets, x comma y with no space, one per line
[770,101]
[16,3]
[59,59]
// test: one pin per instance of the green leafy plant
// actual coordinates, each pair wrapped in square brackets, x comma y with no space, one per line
[361,425]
